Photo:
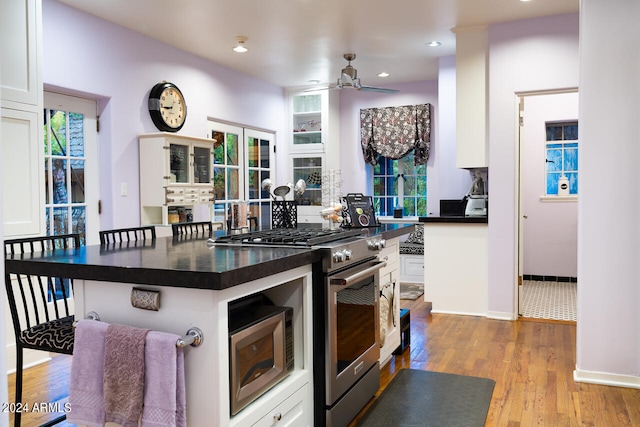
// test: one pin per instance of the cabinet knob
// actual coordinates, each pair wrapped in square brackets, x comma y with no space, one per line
[277,417]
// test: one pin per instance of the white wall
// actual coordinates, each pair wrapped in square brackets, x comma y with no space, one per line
[529,55]
[551,228]
[608,331]
[91,57]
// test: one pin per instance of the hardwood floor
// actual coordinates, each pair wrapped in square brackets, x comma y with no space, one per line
[532,363]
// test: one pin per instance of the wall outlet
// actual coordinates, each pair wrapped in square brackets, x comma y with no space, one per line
[123,188]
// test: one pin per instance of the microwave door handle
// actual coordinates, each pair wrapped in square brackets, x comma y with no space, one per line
[348,280]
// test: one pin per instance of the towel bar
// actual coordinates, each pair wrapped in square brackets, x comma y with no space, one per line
[194,336]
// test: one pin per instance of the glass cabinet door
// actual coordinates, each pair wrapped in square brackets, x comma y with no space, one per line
[179,163]
[201,165]
[307,120]
[309,169]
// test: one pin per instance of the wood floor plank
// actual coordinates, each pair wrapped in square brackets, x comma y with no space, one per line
[531,362]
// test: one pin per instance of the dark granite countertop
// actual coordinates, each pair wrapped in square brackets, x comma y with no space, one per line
[455,219]
[189,263]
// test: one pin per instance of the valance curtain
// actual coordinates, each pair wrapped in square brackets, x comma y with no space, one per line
[394,132]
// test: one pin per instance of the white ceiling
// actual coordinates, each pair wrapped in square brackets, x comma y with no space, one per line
[294,41]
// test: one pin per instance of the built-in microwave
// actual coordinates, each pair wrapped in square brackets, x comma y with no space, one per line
[260,348]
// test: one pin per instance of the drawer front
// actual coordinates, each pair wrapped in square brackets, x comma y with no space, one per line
[292,412]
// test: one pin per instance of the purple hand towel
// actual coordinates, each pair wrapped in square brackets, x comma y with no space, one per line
[85,383]
[124,374]
[164,389]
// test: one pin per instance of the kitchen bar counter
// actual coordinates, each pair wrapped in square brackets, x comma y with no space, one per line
[185,263]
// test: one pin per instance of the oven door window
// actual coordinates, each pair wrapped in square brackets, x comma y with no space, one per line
[355,320]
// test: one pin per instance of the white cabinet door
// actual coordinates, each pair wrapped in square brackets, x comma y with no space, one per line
[19,51]
[22,174]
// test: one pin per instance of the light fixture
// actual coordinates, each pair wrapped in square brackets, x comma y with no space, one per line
[240,46]
[434,43]
[383,74]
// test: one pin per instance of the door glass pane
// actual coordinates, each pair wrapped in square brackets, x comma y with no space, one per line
[76,134]
[254,184]
[253,152]
[232,184]
[219,185]
[232,149]
[60,195]
[60,221]
[77,181]
[79,221]
[218,148]
[264,154]
[58,133]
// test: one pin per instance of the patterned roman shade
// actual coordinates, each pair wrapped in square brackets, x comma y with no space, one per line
[393,132]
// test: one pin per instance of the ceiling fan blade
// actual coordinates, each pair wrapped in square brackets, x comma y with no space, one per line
[315,89]
[376,89]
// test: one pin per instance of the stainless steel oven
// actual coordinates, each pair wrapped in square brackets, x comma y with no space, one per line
[352,374]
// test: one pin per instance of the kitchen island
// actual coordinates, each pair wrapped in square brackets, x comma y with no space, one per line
[196,282]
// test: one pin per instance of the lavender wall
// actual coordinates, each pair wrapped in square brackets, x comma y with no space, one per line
[530,55]
[93,58]
[608,331]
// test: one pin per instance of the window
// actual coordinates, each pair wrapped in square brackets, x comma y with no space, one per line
[399,183]
[562,156]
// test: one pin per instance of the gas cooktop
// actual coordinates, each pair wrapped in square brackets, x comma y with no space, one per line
[290,236]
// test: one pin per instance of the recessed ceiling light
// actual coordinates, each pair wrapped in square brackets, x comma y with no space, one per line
[314,82]
[434,43]
[240,46]
[383,74]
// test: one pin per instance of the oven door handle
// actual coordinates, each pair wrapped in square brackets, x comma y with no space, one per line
[360,273]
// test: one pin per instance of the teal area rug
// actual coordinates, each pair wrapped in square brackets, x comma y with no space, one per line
[425,398]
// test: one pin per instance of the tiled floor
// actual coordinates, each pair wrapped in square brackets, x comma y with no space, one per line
[549,300]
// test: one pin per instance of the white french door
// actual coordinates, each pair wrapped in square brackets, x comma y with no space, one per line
[71,166]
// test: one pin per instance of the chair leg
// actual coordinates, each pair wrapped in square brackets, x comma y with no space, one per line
[19,353]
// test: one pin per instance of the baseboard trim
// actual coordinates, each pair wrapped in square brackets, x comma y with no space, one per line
[604,378]
[502,315]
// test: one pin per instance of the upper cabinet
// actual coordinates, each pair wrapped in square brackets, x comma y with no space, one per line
[22,118]
[20,75]
[176,173]
[472,150]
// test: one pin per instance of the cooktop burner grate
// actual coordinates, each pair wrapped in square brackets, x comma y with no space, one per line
[289,237]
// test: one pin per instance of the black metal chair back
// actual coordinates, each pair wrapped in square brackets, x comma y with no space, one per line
[203,228]
[39,305]
[133,234]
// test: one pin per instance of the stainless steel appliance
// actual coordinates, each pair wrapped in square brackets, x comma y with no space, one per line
[260,348]
[345,314]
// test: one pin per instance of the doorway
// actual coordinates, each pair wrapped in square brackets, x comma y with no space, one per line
[547,244]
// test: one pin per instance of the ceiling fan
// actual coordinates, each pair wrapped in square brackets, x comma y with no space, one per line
[349,78]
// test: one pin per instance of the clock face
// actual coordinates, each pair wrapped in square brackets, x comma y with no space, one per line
[167,107]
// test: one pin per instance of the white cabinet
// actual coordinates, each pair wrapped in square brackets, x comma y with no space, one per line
[389,298]
[313,147]
[176,172]
[471,98]
[293,411]
[412,268]
[22,118]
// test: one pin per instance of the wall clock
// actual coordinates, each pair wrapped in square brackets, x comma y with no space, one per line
[167,107]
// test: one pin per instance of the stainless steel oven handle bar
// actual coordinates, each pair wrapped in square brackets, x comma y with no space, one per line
[358,274]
